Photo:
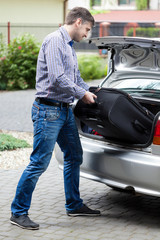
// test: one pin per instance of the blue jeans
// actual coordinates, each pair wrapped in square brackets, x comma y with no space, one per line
[51,124]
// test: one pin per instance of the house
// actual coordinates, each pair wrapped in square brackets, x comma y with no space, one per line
[119,22]
[111,4]
[37,17]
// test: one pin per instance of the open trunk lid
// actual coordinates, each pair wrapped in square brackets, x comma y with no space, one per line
[130,58]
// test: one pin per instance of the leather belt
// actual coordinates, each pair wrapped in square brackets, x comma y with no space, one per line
[56,104]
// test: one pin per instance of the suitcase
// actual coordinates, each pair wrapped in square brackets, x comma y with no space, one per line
[116,116]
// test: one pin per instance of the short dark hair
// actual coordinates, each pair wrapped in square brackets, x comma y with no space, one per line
[79,12]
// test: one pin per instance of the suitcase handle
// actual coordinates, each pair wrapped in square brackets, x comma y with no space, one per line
[139,126]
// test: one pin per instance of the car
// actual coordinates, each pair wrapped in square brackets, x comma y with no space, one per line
[133,67]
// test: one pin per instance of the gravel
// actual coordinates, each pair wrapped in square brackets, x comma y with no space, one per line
[15,159]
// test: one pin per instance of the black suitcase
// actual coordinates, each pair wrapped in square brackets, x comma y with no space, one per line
[116,116]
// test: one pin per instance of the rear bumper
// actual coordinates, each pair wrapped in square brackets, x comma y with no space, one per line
[119,167]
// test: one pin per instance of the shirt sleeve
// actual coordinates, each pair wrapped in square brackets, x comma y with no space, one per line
[81,82]
[55,62]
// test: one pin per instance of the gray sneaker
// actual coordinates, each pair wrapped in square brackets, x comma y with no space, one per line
[84,211]
[24,221]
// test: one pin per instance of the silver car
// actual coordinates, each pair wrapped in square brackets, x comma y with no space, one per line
[134,67]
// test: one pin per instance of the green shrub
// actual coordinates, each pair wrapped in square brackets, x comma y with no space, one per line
[3,81]
[18,67]
[2,46]
[142,4]
[91,67]
[145,32]
[8,142]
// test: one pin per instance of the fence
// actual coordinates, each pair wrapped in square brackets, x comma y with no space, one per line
[10,31]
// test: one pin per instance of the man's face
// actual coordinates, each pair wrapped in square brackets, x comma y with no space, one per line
[81,30]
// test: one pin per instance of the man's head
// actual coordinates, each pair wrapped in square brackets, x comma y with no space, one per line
[79,22]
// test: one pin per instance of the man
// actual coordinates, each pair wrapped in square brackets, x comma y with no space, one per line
[58,83]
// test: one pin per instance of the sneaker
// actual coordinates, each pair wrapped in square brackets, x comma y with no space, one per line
[24,221]
[84,211]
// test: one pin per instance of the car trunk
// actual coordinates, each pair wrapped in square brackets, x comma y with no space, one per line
[133,69]
[152,106]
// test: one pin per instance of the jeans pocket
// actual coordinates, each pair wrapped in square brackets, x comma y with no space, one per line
[35,113]
[34,116]
[52,114]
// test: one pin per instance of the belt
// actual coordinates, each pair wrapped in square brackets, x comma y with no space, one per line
[56,104]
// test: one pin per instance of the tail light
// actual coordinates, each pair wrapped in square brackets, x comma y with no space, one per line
[156,137]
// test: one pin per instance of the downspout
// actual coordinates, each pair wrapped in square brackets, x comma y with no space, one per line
[65,7]
[9,31]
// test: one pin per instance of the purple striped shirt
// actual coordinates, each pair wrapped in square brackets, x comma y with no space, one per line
[58,76]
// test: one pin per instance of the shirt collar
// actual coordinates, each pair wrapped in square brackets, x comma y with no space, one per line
[66,35]
[71,43]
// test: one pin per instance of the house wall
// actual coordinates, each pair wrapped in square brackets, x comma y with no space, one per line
[78,3]
[37,17]
[111,5]
[154,4]
[31,11]
[105,4]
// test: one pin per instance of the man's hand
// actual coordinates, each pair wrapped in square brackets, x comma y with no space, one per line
[89,97]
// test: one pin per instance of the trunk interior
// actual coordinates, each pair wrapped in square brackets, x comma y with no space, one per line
[152,106]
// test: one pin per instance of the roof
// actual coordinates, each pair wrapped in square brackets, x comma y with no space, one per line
[150,16]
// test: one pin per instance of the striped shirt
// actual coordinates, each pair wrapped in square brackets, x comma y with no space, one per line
[58,76]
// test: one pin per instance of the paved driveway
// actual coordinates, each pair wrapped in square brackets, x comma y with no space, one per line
[124,216]
[15,110]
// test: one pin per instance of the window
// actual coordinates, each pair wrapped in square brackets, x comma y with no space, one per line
[122,2]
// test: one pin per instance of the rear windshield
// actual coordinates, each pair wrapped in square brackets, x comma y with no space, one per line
[138,87]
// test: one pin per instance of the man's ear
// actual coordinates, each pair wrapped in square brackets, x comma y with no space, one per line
[78,22]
